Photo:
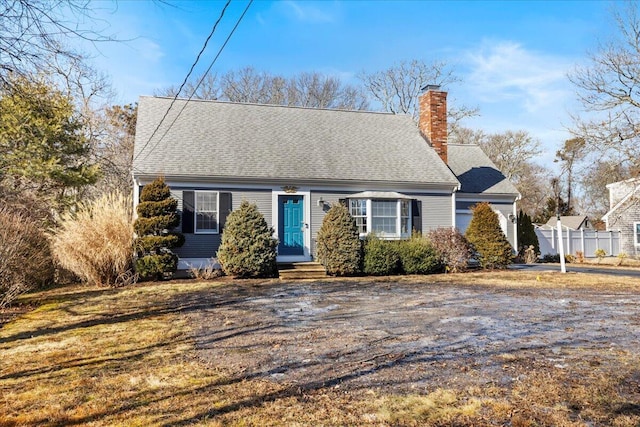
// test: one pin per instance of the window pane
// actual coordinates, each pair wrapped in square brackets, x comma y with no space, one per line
[404,208]
[384,225]
[405,213]
[206,211]
[358,210]
[384,216]
[404,226]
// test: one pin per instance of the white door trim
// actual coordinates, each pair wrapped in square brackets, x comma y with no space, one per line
[275,210]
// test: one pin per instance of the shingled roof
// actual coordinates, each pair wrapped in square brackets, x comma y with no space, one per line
[233,140]
[476,172]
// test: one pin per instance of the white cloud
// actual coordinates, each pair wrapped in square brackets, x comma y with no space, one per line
[307,12]
[149,50]
[506,71]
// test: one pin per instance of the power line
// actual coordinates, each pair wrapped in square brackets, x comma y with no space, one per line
[184,82]
[197,86]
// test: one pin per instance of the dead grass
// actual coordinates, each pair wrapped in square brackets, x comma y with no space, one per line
[124,357]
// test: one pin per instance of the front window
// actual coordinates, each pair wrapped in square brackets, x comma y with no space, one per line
[388,218]
[636,233]
[206,212]
[384,217]
[358,210]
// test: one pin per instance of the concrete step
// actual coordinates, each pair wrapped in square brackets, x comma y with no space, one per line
[301,270]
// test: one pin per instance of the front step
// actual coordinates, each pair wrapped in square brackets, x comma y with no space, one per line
[301,270]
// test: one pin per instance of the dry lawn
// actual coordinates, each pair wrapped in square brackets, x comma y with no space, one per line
[126,357]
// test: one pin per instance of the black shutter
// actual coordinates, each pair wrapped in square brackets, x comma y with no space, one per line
[225,208]
[188,208]
[416,215]
[344,202]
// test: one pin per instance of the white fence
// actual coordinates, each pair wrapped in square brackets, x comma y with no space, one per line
[586,241]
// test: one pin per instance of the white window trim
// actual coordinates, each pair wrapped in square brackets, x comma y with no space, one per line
[366,217]
[195,212]
[636,242]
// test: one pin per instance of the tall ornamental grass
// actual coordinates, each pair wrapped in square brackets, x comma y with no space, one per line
[96,242]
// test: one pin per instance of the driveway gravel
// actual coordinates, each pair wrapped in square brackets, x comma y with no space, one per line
[410,336]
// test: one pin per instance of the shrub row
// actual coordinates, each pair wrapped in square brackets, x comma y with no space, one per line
[389,257]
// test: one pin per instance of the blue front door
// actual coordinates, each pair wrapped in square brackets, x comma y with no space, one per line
[291,225]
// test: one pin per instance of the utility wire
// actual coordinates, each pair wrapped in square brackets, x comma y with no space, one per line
[184,82]
[199,82]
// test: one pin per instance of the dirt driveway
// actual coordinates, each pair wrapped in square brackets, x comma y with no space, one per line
[403,337]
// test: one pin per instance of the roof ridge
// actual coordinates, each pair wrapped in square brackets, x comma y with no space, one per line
[255,104]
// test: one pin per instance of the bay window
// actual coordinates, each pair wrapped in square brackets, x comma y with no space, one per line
[387,218]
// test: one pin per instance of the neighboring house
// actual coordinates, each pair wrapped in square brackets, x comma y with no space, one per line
[294,162]
[569,222]
[624,214]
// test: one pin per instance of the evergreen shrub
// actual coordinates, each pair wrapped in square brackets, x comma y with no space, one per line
[338,246]
[452,247]
[381,257]
[527,234]
[248,248]
[157,215]
[418,256]
[484,233]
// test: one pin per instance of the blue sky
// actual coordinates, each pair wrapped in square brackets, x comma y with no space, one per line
[512,57]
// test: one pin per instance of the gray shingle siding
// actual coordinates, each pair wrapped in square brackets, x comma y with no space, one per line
[622,219]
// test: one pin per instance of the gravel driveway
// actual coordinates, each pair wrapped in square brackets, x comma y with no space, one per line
[408,336]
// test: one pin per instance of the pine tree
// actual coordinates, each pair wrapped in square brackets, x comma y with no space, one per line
[338,243]
[157,215]
[248,248]
[486,236]
[43,148]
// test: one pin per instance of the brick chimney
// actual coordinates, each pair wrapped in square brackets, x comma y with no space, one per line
[433,118]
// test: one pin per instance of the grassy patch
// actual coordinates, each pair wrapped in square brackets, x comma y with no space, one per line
[125,357]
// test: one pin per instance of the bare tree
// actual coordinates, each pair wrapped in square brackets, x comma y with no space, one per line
[464,135]
[608,90]
[398,87]
[114,150]
[510,151]
[594,180]
[33,33]
[310,89]
[534,184]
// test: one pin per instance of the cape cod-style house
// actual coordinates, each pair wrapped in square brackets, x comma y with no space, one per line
[293,163]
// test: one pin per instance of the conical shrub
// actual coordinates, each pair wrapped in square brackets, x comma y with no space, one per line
[157,216]
[339,248]
[484,233]
[248,248]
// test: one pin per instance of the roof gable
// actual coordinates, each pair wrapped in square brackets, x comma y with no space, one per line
[574,222]
[476,172]
[223,139]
